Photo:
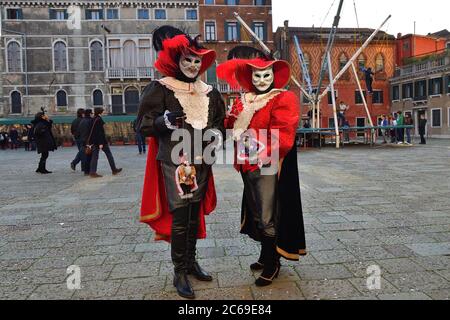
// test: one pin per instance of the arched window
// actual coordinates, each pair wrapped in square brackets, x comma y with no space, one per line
[14,57]
[342,61]
[379,63]
[129,54]
[60,56]
[97,98]
[96,56]
[61,99]
[16,102]
[131,100]
[361,61]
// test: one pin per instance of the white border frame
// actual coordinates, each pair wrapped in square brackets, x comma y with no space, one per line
[94,9]
[103,53]
[378,103]
[10,101]
[362,101]
[431,113]
[53,55]
[6,13]
[21,55]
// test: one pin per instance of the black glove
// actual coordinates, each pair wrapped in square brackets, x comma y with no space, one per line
[175,118]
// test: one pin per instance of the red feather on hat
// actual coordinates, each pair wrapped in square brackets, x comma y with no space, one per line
[167,58]
[227,71]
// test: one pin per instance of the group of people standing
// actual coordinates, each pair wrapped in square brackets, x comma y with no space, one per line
[89,134]
[400,135]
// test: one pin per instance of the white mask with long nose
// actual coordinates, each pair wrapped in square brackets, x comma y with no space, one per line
[190,65]
[262,79]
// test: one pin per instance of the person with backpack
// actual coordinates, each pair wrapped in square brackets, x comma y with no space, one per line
[99,142]
[45,141]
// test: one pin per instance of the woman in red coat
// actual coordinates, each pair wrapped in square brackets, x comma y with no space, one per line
[264,123]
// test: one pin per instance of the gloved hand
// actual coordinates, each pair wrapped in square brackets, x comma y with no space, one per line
[174,120]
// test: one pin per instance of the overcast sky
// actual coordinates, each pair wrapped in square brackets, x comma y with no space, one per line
[430,15]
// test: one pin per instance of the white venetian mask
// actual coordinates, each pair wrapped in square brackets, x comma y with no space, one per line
[262,79]
[190,65]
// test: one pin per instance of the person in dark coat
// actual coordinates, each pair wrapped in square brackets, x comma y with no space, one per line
[99,142]
[75,130]
[31,137]
[45,141]
[84,131]
[25,134]
[14,137]
[3,139]
[368,75]
[422,129]
[140,140]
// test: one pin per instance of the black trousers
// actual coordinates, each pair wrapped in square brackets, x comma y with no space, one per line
[43,160]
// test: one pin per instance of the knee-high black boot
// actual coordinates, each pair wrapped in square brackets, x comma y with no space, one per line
[192,265]
[271,260]
[178,251]
[259,265]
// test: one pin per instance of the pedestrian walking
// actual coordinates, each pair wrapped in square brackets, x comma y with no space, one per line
[422,129]
[75,130]
[4,138]
[140,140]
[45,141]
[99,142]
[84,132]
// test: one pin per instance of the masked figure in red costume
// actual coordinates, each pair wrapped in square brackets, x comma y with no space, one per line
[177,113]
[264,123]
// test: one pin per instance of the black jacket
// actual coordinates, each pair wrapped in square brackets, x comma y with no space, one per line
[43,135]
[422,126]
[98,132]
[75,127]
[85,129]
[155,100]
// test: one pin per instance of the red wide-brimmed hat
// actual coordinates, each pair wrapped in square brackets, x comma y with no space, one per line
[173,48]
[238,72]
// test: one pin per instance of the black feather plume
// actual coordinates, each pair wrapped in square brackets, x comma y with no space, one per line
[165,32]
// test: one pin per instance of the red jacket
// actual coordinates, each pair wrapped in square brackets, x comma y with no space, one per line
[281,113]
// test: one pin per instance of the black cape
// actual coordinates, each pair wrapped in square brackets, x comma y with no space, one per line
[290,229]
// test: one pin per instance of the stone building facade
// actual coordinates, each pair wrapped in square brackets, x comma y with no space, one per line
[379,55]
[421,85]
[221,31]
[97,53]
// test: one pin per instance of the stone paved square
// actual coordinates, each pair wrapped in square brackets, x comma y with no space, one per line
[383,206]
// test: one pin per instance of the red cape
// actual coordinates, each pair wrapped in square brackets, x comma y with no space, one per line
[154,208]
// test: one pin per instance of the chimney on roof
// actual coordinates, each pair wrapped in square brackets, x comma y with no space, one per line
[399,35]
[286,23]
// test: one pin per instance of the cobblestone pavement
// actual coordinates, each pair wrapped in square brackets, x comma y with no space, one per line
[388,207]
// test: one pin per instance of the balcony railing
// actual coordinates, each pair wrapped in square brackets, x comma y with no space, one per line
[423,67]
[131,73]
[225,88]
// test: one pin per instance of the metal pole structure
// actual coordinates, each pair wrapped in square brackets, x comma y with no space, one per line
[355,56]
[328,47]
[333,98]
[301,58]
[267,51]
